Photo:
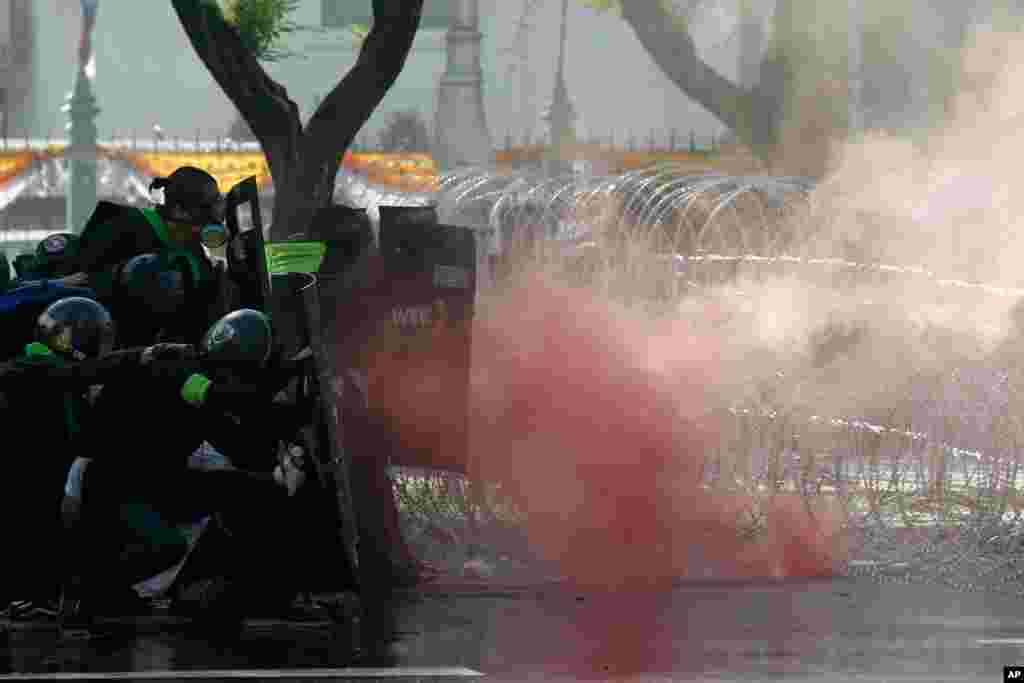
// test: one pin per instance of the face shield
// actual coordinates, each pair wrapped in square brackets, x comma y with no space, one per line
[214,235]
[209,217]
[206,217]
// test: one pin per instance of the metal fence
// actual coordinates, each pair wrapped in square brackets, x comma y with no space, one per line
[937,496]
[654,140]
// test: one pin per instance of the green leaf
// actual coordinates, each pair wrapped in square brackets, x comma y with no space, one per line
[359,33]
[262,24]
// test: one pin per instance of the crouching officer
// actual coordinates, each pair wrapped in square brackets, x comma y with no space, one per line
[68,331]
[160,418]
[47,387]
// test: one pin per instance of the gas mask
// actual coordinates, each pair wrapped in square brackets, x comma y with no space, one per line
[206,219]
[214,235]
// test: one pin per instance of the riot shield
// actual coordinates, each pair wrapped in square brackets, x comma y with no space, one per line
[395,320]
[405,329]
[247,264]
[296,305]
[298,271]
[289,291]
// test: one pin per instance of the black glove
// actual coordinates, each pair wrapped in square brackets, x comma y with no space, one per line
[169,352]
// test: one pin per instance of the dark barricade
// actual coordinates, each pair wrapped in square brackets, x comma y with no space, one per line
[402,327]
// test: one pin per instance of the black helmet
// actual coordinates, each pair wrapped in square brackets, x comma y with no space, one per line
[76,326]
[191,196]
[156,282]
[242,336]
[55,247]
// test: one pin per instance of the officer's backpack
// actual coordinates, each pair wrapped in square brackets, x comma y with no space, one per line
[21,306]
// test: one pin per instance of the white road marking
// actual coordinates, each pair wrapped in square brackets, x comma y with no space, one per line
[397,672]
[1001,641]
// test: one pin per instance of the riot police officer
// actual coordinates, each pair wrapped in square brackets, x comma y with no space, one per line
[47,388]
[50,257]
[224,400]
[67,332]
[182,229]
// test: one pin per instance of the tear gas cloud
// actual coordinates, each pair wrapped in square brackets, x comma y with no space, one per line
[598,423]
[598,418]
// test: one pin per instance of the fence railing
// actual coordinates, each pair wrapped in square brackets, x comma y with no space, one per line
[38,144]
[672,141]
[943,451]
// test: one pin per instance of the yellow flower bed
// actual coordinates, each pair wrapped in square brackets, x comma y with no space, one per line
[396,163]
[13,164]
[621,161]
[407,172]
[228,168]
[402,172]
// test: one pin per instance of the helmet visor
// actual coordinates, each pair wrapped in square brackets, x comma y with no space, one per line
[213,235]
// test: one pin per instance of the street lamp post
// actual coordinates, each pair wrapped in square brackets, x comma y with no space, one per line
[561,115]
[461,135]
[82,110]
[855,36]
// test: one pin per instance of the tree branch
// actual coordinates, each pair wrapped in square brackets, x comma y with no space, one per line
[272,116]
[345,110]
[675,53]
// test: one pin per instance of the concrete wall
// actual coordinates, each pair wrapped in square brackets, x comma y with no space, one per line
[615,86]
[147,72]
[16,64]
[327,54]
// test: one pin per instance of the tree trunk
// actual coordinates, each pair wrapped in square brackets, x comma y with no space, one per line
[303,161]
[807,72]
[751,38]
[797,107]
[674,51]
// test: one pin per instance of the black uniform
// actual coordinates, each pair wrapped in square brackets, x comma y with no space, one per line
[42,394]
[157,430]
[114,235]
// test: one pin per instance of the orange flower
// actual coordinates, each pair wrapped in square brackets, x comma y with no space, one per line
[14,164]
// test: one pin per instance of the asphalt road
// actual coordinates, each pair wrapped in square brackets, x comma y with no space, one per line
[808,631]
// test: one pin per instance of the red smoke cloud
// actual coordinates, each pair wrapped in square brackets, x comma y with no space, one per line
[597,424]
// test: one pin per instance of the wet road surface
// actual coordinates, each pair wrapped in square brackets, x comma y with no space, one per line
[819,630]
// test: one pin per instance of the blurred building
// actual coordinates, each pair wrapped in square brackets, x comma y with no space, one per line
[16,62]
[152,76]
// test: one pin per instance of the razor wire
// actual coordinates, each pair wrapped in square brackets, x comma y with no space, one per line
[950,513]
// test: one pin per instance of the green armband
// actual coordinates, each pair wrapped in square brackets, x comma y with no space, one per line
[294,257]
[193,392]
